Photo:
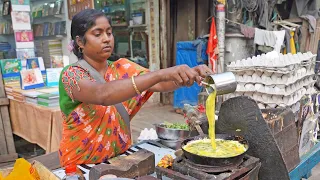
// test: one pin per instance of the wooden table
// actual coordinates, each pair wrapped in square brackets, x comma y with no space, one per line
[37,124]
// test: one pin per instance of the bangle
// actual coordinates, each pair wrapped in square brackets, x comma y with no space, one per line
[135,86]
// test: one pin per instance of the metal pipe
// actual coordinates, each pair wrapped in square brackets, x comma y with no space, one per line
[221,30]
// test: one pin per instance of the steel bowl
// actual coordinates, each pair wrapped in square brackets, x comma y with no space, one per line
[173,144]
[170,134]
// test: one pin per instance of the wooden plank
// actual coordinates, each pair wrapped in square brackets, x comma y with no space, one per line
[191,19]
[185,20]
[50,161]
[7,129]
[304,33]
[315,38]
[163,34]
[295,20]
[174,31]
[202,13]
[173,26]
[3,142]
[169,34]
[8,158]
[312,46]
[2,90]
[307,48]
[163,39]
[4,101]
[7,165]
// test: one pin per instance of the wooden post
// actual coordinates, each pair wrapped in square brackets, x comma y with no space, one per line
[163,34]
[314,39]
[7,148]
[309,41]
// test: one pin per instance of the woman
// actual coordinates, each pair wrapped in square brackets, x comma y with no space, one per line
[94,129]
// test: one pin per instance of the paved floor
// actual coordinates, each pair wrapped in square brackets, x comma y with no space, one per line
[151,114]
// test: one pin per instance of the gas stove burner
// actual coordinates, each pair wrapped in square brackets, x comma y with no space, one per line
[210,169]
[183,169]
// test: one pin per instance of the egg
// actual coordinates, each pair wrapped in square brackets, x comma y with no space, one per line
[284,78]
[266,97]
[259,87]
[261,106]
[268,74]
[247,78]
[286,100]
[250,73]
[249,87]
[259,73]
[255,78]
[272,105]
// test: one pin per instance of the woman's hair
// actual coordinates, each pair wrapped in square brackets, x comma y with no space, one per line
[81,23]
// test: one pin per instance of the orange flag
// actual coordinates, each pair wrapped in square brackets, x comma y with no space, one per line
[212,45]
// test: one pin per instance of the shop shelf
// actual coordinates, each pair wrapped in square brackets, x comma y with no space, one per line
[50,37]
[5,17]
[138,26]
[11,34]
[49,18]
[120,25]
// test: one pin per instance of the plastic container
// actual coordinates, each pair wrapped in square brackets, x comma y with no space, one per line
[72,173]
[137,18]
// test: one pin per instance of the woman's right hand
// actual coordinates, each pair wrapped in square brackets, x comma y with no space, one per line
[181,75]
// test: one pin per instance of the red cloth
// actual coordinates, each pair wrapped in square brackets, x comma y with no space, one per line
[212,45]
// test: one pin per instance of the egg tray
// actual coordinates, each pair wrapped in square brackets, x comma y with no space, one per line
[279,61]
[295,107]
[271,70]
[276,100]
[274,78]
[284,90]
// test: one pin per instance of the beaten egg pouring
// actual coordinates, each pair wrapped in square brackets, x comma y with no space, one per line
[216,148]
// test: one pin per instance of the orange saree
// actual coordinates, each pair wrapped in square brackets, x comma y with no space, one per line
[94,133]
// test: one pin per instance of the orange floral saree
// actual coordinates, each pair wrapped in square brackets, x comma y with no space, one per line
[94,133]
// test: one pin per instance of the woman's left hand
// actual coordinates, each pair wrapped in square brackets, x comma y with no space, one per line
[203,71]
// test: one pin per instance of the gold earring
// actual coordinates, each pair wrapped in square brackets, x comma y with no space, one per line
[80,49]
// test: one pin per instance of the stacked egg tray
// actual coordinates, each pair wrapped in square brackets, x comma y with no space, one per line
[275,80]
[271,62]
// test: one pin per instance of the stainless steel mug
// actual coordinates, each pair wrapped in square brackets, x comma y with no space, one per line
[223,83]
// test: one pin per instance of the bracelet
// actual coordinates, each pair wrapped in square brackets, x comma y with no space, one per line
[135,86]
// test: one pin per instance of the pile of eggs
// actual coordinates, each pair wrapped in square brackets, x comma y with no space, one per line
[274,60]
[273,79]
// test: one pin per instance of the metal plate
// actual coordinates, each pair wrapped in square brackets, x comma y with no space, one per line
[242,116]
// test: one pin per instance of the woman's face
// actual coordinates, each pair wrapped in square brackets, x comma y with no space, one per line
[99,40]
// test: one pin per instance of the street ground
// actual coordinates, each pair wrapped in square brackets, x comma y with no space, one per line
[151,114]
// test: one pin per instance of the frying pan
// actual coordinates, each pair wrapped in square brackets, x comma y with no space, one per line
[211,161]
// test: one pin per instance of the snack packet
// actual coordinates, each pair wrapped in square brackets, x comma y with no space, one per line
[22,170]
